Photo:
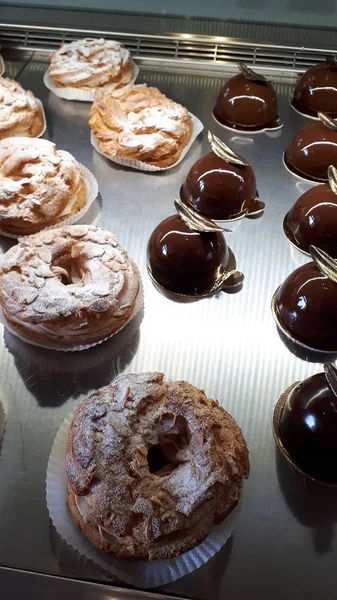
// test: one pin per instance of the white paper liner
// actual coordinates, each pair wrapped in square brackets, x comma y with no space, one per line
[197,128]
[44,119]
[92,192]
[311,181]
[82,95]
[49,345]
[2,66]
[3,416]
[268,130]
[139,573]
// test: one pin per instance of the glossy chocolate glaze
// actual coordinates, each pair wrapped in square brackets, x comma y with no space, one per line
[219,189]
[308,428]
[185,261]
[243,103]
[306,304]
[313,220]
[311,151]
[316,91]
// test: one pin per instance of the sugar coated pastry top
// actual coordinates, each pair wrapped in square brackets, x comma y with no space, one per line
[20,113]
[37,182]
[141,124]
[152,466]
[90,63]
[71,285]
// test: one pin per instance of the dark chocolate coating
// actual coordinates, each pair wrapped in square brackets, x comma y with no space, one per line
[246,104]
[185,261]
[308,427]
[219,189]
[313,220]
[306,304]
[316,91]
[311,151]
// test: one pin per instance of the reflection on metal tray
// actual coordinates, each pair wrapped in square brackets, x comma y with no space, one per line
[284,545]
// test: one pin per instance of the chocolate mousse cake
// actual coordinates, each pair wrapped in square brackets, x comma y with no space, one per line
[316,90]
[313,150]
[312,221]
[187,254]
[247,102]
[221,184]
[304,306]
[305,425]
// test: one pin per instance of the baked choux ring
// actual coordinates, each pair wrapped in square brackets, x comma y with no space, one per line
[91,63]
[39,185]
[74,285]
[152,466]
[20,112]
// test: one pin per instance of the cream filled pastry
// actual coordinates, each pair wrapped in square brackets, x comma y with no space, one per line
[142,124]
[72,286]
[20,112]
[152,466]
[91,63]
[39,185]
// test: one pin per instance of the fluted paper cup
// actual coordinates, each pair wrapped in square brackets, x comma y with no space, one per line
[83,94]
[139,165]
[144,574]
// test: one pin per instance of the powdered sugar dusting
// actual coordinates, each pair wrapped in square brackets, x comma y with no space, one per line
[100,295]
[18,108]
[140,124]
[91,63]
[142,513]
[37,182]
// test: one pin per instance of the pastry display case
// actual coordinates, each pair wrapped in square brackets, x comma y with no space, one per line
[221,337]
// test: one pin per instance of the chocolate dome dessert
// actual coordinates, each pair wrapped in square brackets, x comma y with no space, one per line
[305,425]
[247,102]
[304,306]
[312,221]
[221,184]
[187,254]
[316,90]
[313,150]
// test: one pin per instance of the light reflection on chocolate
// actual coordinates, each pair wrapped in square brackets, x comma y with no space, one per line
[185,261]
[312,221]
[306,305]
[244,103]
[316,90]
[308,428]
[219,189]
[311,151]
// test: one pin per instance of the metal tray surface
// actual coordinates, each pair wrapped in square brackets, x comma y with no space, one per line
[284,545]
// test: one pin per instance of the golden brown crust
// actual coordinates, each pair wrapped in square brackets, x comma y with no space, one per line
[141,124]
[39,185]
[124,502]
[73,285]
[20,113]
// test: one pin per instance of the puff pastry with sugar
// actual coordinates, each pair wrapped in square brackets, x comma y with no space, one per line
[91,63]
[20,112]
[152,466]
[39,185]
[71,286]
[141,124]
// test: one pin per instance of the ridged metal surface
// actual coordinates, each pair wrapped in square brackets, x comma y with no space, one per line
[192,49]
[284,545]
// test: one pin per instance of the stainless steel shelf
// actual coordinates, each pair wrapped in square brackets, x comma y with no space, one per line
[284,545]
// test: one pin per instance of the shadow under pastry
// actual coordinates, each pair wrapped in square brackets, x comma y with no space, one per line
[52,377]
[311,503]
[205,581]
